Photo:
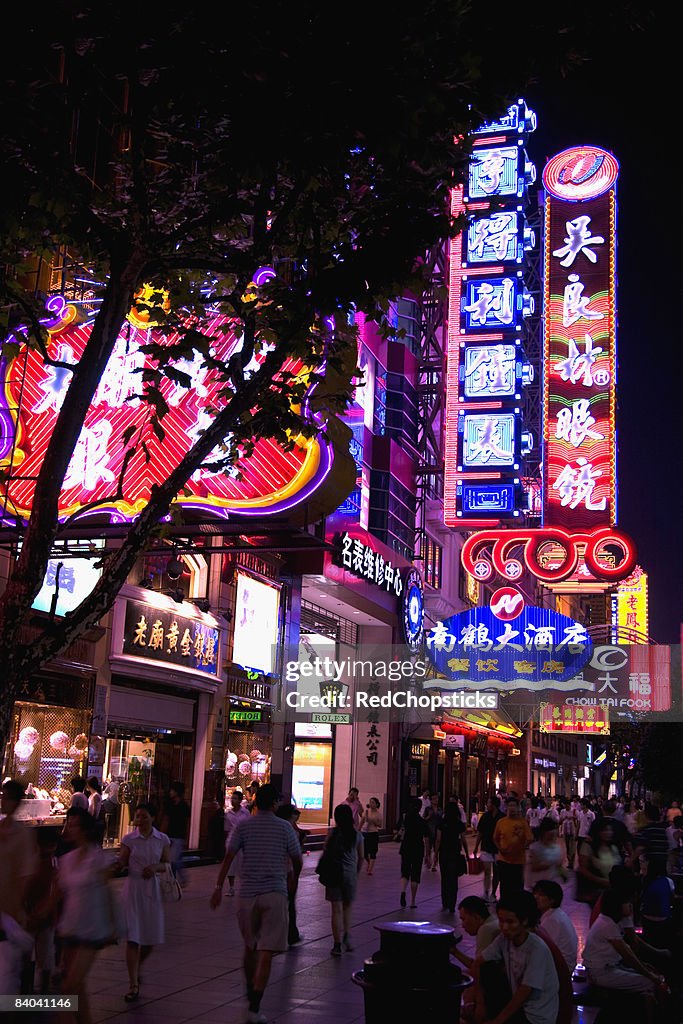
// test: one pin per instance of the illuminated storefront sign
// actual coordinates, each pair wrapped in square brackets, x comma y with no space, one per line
[630,608]
[270,481]
[568,718]
[608,554]
[488,308]
[580,339]
[246,716]
[167,636]
[538,648]
[359,558]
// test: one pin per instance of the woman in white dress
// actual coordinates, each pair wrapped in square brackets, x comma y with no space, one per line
[144,851]
[85,921]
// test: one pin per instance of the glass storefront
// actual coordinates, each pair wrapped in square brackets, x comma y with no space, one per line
[312,780]
[48,746]
[139,766]
[249,747]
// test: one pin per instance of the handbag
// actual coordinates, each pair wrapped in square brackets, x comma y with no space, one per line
[329,867]
[461,865]
[169,886]
[474,866]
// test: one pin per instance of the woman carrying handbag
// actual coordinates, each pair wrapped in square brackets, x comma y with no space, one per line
[146,852]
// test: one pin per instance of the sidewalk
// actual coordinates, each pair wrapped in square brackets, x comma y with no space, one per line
[197,976]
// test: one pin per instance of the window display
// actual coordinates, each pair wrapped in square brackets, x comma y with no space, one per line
[48,746]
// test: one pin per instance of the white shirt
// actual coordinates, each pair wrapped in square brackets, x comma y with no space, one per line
[586,819]
[599,953]
[529,964]
[559,927]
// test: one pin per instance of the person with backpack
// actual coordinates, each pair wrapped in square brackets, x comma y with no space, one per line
[341,861]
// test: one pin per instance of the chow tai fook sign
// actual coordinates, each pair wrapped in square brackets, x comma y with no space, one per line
[168,637]
[580,339]
[271,481]
[569,718]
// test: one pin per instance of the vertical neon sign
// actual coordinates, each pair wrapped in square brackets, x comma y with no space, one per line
[580,339]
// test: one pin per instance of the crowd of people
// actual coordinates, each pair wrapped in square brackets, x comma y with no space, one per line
[619,859]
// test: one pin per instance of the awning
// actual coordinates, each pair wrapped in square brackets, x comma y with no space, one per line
[496,722]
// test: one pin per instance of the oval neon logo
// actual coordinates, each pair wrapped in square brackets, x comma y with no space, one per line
[579,173]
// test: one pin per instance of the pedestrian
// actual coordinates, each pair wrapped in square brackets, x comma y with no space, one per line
[534,815]
[290,813]
[597,856]
[478,922]
[41,908]
[145,851]
[568,831]
[345,846]
[525,978]
[673,811]
[236,812]
[78,798]
[448,850]
[555,922]
[356,807]
[611,963]
[412,850]
[94,793]
[432,817]
[545,855]
[18,863]
[85,922]
[485,846]
[371,824]
[268,844]
[425,801]
[656,907]
[585,818]
[252,790]
[651,842]
[512,836]
[111,808]
[176,824]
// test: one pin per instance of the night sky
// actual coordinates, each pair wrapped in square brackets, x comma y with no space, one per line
[621,103]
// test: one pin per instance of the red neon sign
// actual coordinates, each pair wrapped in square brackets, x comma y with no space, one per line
[489,551]
[272,480]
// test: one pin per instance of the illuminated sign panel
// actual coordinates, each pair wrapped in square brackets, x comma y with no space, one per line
[488,440]
[580,342]
[271,480]
[496,172]
[538,648]
[490,371]
[488,306]
[568,718]
[167,636]
[494,238]
[630,612]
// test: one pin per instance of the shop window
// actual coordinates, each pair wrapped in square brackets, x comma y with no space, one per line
[48,746]
[431,555]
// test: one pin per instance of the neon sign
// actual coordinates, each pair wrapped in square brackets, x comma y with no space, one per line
[271,481]
[496,551]
[536,647]
[488,306]
[580,340]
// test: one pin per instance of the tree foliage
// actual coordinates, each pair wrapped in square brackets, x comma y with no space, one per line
[186,148]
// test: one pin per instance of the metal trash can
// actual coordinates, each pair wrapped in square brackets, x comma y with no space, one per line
[411,976]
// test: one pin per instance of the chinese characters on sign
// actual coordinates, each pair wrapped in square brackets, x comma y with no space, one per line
[163,635]
[580,339]
[361,560]
[570,718]
[538,648]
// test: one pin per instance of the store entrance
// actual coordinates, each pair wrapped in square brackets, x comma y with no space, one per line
[139,767]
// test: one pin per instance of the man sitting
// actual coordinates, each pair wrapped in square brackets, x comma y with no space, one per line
[555,922]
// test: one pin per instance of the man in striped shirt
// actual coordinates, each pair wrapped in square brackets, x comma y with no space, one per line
[268,845]
[652,841]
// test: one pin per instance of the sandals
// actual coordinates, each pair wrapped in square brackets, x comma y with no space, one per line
[133,994]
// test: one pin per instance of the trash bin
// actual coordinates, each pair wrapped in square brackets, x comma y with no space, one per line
[411,976]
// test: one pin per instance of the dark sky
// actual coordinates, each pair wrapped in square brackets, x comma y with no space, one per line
[621,103]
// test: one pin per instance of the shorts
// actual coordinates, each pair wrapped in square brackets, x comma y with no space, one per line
[411,866]
[263,921]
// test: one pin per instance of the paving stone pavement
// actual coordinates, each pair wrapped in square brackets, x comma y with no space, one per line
[196,975]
